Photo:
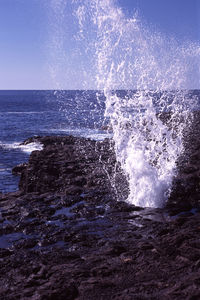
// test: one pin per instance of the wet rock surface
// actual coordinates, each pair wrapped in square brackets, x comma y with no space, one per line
[67,234]
[186,186]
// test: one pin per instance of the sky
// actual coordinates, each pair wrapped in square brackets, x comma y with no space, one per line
[30,29]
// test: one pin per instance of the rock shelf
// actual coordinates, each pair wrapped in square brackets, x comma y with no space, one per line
[68,233]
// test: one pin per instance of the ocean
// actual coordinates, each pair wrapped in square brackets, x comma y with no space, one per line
[24,114]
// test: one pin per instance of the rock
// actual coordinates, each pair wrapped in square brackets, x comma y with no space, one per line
[186,185]
[67,234]
[70,165]
[17,170]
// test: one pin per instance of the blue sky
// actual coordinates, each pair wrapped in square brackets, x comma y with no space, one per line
[27,28]
[180,18]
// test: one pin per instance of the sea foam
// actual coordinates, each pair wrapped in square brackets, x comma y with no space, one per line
[25,148]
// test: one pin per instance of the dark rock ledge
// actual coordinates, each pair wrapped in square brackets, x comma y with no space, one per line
[67,234]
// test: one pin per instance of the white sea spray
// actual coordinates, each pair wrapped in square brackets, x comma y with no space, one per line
[156,72]
[28,148]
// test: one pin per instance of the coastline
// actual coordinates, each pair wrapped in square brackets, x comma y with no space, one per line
[66,235]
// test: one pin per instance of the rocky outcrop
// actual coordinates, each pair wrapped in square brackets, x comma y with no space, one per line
[73,166]
[67,234]
[186,185]
[17,170]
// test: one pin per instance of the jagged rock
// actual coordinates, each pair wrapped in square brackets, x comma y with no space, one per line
[71,165]
[67,234]
[17,170]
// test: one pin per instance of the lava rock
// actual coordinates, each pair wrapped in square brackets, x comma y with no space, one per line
[68,234]
[17,170]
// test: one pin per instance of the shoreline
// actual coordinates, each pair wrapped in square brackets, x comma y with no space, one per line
[65,235]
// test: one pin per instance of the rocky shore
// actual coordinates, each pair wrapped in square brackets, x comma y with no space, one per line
[68,233]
